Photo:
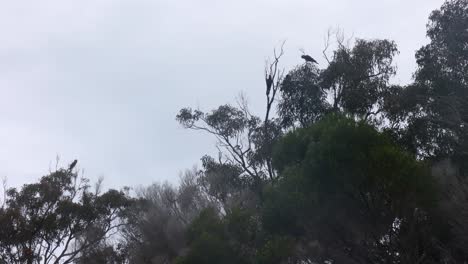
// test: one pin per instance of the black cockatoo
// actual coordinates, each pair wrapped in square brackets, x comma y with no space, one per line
[72,165]
[308,58]
[269,83]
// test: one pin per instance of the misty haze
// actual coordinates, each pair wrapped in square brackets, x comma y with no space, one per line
[199,132]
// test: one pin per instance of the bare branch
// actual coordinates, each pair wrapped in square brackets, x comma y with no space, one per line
[327,45]
[273,78]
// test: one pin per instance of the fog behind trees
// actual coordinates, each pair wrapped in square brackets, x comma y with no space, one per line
[342,165]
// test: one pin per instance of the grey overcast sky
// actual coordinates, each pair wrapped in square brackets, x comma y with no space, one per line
[102,80]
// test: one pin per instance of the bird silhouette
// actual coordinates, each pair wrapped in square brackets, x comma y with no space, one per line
[269,83]
[72,165]
[308,58]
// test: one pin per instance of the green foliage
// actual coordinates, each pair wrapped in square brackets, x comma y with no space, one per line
[302,98]
[341,178]
[245,138]
[209,242]
[221,181]
[438,125]
[357,77]
[277,249]
[57,219]
[356,82]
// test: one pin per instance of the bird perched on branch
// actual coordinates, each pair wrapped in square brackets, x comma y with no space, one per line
[72,165]
[269,83]
[308,58]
